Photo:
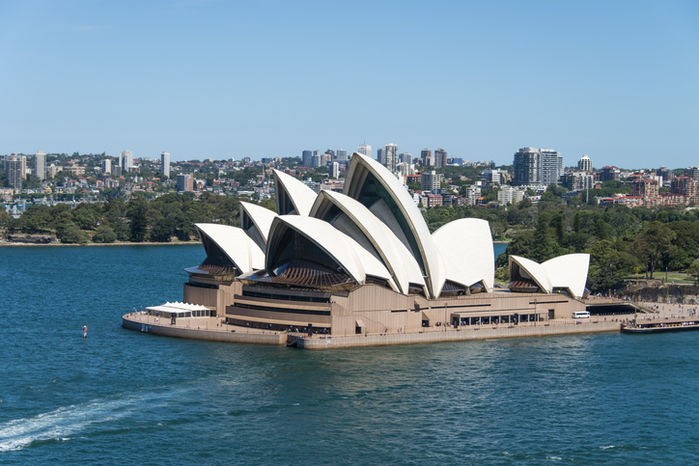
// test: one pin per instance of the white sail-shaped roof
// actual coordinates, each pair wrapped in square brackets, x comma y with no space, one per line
[242,251]
[466,246]
[374,185]
[343,250]
[394,255]
[293,197]
[568,271]
[260,220]
[534,271]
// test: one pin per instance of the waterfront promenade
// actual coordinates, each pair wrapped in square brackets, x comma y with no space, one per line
[212,328]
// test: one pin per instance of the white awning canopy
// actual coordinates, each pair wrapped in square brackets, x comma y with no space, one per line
[177,308]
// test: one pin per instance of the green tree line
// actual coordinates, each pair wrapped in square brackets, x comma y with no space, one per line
[163,219]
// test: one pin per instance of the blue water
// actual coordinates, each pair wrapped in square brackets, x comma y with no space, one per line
[122,397]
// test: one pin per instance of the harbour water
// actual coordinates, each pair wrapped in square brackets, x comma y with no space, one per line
[122,397]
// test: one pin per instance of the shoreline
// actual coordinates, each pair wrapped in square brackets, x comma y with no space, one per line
[116,243]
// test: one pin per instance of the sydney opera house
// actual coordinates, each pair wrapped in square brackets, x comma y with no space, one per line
[363,262]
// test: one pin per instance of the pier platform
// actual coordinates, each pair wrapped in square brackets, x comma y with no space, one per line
[200,328]
[212,329]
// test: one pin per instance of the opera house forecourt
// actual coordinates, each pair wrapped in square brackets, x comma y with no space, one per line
[361,268]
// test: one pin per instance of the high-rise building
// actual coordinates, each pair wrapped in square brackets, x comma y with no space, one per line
[551,167]
[125,160]
[406,157]
[685,185]
[667,175]
[315,159]
[509,195]
[537,167]
[577,180]
[645,187]
[692,172]
[15,171]
[585,163]
[440,158]
[430,180]
[307,158]
[390,157]
[404,169]
[341,155]
[325,158]
[364,149]
[335,170]
[492,175]
[426,157]
[165,164]
[609,174]
[185,182]
[40,164]
[527,166]
[107,166]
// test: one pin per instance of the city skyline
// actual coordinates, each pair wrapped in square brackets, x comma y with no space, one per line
[570,161]
[214,79]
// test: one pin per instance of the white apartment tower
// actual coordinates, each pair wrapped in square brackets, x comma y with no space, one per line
[126,160]
[165,164]
[585,163]
[364,149]
[335,170]
[40,164]
[390,156]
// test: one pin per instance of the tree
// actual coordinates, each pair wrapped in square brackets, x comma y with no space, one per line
[137,214]
[36,219]
[609,264]
[84,216]
[163,229]
[104,234]
[653,244]
[557,225]
[694,270]
[69,233]
[5,219]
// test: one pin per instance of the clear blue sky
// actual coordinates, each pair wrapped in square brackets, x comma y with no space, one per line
[617,80]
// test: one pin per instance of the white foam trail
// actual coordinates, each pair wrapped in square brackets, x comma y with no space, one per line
[64,422]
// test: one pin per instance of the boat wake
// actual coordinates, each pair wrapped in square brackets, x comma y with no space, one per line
[63,423]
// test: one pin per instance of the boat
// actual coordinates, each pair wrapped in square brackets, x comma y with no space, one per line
[660,327]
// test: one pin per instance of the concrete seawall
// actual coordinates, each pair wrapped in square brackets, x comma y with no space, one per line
[212,330]
[203,334]
[316,343]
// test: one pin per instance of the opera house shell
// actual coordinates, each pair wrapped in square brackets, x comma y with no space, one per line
[364,262]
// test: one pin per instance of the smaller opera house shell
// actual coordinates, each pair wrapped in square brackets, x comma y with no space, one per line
[364,262]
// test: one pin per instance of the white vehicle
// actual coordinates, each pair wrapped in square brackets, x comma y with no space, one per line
[581,315]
